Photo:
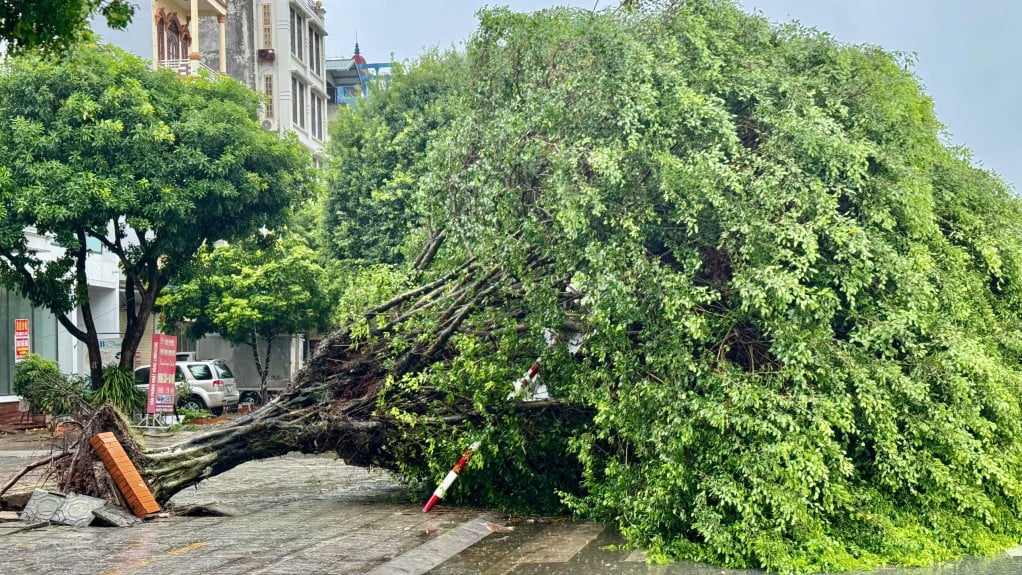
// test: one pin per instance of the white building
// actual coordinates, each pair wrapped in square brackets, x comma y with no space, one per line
[276,47]
[46,336]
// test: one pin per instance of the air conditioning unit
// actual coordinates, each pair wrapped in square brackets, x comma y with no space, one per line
[266,55]
[269,125]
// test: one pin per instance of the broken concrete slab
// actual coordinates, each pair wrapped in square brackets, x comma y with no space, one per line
[42,505]
[115,516]
[77,510]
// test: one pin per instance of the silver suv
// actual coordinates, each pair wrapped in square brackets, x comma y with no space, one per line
[211,382]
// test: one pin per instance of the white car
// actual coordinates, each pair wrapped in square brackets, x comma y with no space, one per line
[211,382]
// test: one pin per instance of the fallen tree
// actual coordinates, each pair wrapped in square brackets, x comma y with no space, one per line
[799,309]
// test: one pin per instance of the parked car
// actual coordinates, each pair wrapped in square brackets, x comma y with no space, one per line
[210,381]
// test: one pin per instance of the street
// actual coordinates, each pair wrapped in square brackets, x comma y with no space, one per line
[315,515]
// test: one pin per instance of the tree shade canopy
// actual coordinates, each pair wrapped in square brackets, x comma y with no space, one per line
[799,306]
[56,24]
[250,292]
[98,147]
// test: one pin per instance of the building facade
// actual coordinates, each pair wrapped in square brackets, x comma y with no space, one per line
[46,337]
[348,79]
[276,47]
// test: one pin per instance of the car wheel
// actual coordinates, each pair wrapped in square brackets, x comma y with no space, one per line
[250,397]
[217,411]
[193,403]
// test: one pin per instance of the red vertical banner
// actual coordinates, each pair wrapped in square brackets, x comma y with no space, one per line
[22,339]
[162,364]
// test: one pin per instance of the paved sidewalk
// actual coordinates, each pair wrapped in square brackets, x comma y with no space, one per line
[293,514]
[315,515]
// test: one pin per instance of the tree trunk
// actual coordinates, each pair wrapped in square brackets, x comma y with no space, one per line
[333,404]
[262,363]
[334,413]
[263,366]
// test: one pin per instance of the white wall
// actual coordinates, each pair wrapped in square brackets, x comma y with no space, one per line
[244,366]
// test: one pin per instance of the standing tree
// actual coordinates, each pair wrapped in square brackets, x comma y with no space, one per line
[800,310]
[151,165]
[370,215]
[250,293]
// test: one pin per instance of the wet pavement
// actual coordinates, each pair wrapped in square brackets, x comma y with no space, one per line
[315,515]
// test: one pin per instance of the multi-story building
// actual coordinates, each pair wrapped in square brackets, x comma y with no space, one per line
[276,47]
[348,79]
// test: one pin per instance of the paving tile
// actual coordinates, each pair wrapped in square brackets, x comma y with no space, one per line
[42,505]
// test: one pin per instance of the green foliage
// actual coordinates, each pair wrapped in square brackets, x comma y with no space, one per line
[96,146]
[267,286]
[119,390]
[375,162]
[41,383]
[188,415]
[802,346]
[56,24]
[252,291]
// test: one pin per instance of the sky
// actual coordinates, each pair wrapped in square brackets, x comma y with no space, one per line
[967,53]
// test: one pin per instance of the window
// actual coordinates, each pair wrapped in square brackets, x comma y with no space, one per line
[94,245]
[161,39]
[268,90]
[200,371]
[315,51]
[302,91]
[318,107]
[312,116]
[42,333]
[294,101]
[222,369]
[297,24]
[173,40]
[268,26]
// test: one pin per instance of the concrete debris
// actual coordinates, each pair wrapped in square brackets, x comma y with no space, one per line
[115,516]
[498,528]
[77,510]
[42,505]
[47,507]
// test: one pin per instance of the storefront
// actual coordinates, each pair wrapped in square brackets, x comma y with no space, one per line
[42,334]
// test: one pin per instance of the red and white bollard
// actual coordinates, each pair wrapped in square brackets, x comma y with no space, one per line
[441,490]
[526,388]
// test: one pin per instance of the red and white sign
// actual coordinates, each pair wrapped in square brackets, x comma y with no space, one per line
[162,364]
[22,346]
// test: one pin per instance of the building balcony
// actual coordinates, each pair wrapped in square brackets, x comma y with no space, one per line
[187,67]
[205,7]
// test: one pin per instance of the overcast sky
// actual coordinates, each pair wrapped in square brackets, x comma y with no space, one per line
[968,53]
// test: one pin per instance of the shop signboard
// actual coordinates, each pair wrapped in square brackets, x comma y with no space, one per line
[162,364]
[22,339]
